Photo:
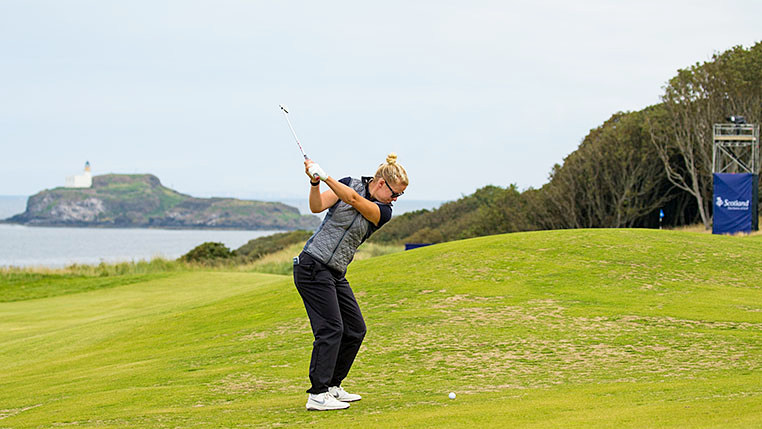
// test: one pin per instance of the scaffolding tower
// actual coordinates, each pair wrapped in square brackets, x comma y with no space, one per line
[735,177]
[736,148]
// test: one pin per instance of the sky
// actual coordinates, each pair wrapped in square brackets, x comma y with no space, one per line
[467,93]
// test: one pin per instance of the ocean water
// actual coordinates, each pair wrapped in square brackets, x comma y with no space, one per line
[24,246]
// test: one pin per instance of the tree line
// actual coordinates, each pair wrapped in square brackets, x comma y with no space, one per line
[623,173]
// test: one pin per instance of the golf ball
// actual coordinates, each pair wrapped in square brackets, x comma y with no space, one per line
[452,395]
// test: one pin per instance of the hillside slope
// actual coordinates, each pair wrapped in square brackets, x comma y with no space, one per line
[576,328]
[140,200]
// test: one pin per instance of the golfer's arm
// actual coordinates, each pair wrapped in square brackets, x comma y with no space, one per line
[320,202]
[368,209]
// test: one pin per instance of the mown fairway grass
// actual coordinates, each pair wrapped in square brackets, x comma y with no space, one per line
[583,328]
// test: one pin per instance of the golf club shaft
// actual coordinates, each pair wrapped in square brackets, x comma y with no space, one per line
[285,114]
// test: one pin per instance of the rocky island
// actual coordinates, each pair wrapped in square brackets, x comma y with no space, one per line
[141,201]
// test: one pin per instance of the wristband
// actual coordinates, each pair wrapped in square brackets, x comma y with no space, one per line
[314,183]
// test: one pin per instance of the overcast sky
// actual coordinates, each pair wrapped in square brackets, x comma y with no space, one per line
[468,93]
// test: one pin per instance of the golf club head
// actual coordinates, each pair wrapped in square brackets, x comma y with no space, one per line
[283,108]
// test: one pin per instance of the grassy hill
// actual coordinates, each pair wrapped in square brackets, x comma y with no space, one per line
[576,328]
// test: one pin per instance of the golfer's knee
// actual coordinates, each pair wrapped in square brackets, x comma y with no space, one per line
[356,334]
[330,330]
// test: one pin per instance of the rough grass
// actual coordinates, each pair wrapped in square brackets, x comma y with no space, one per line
[699,227]
[17,284]
[596,328]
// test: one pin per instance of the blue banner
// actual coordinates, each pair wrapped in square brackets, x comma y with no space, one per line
[733,206]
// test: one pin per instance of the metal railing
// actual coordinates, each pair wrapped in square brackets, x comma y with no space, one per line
[743,132]
[736,148]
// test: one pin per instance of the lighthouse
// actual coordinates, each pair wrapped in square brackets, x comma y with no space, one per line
[84,180]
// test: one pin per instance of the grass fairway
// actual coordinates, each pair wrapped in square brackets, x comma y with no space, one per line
[578,328]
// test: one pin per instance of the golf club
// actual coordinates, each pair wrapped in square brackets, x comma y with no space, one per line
[285,113]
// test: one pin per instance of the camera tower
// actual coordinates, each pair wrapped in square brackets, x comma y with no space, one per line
[735,172]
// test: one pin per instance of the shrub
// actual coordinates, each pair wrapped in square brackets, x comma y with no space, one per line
[209,253]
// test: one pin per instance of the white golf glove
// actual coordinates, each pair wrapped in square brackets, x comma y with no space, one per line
[316,171]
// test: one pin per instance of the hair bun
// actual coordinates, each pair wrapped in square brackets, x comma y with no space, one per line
[391,158]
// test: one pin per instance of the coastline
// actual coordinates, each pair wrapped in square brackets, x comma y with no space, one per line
[14,205]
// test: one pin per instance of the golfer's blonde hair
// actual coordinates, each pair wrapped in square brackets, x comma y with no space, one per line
[392,172]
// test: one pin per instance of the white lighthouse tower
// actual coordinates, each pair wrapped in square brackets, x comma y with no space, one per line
[84,180]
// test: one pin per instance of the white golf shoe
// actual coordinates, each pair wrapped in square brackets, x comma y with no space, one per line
[342,395]
[324,401]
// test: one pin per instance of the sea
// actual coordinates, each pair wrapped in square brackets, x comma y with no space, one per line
[57,247]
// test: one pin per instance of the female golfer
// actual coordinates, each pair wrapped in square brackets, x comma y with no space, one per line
[356,209]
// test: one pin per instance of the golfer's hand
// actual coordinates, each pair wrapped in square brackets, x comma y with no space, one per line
[314,171]
[307,164]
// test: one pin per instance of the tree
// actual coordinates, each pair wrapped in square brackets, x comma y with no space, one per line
[693,101]
[629,175]
[489,210]
[614,179]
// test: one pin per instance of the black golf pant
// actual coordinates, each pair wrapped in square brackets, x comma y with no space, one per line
[336,320]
